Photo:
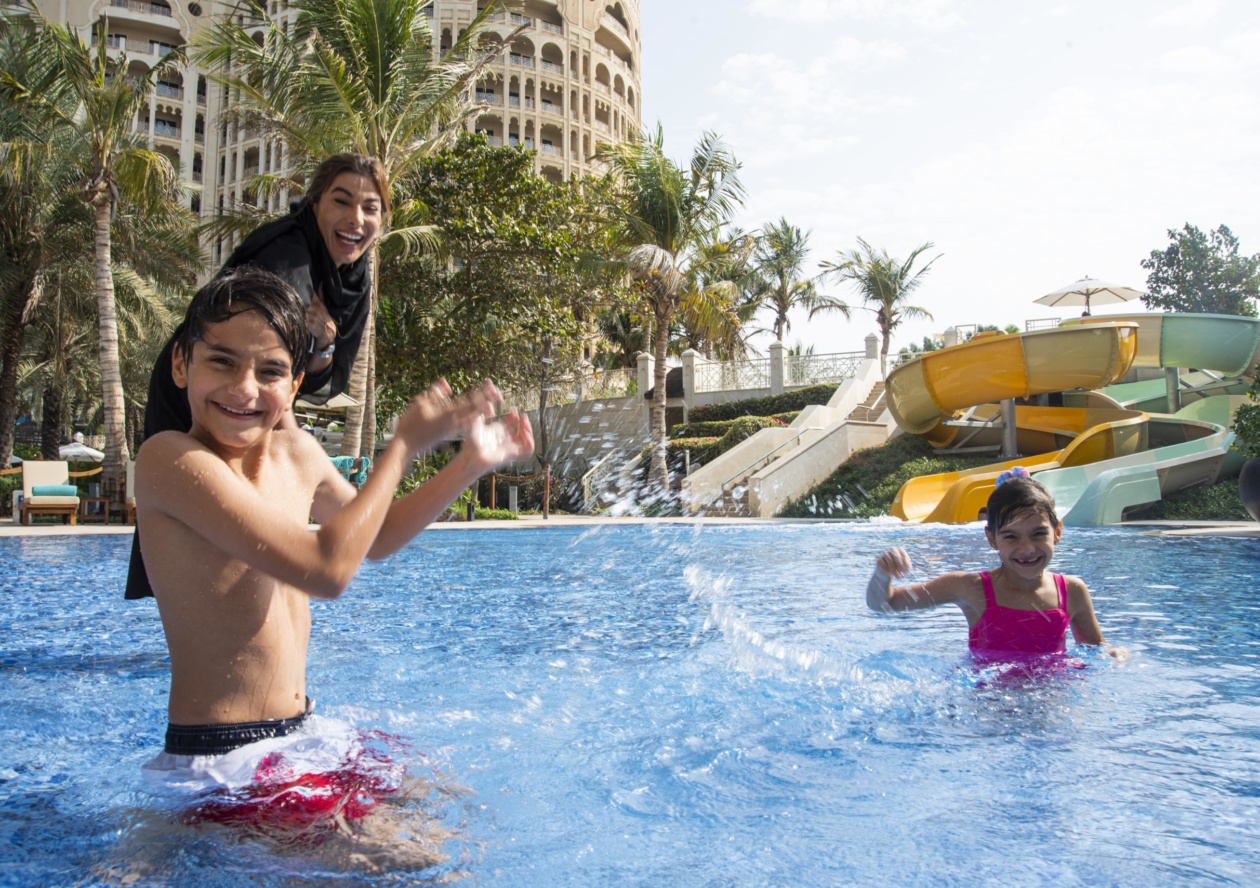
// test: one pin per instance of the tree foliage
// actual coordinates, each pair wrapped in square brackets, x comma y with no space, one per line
[670,218]
[513,292]
[884,282]
[1202,272]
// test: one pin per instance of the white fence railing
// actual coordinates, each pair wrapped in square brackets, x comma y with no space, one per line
[730,376]
[802,370]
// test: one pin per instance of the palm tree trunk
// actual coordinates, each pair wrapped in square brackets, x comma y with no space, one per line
[352,437]
[658,470]
[14,329]
[54,419]
[367,446]
[112,401]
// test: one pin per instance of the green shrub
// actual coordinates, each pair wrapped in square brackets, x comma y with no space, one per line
[795,400]
[718,428]
[1213,502]
[483,514]
[1247,423]
[866,485]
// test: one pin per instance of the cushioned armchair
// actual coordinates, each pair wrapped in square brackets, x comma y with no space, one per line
[46,490]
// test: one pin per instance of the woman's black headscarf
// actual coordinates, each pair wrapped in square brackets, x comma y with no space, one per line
[293,248]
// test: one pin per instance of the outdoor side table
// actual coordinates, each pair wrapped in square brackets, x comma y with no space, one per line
[88,509]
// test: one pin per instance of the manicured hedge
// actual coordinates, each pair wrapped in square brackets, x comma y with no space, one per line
[718,428]
[795,400]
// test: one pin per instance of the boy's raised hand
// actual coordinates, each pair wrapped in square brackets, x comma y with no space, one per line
[494,444]
[435,415]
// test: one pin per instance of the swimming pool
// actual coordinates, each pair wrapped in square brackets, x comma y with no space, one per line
[678,705]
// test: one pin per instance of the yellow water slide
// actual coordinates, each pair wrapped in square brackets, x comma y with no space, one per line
[927,391]
[937,386]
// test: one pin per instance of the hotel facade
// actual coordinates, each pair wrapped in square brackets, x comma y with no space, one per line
[567,82]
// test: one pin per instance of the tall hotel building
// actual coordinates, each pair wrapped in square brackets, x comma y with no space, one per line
[568,82]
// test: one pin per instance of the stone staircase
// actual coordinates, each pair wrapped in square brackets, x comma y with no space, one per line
[872,408]
[734,502]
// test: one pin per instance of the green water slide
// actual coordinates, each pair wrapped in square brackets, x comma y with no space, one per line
[1186,449]
[1211,354]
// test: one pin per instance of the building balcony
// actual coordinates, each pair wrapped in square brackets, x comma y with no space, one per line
[600,125]
[617,31]
[523,61]
[488,99]
[197,176]
[166,89]
[518,19]
[251,170]
[552,108]
[166,131]
[551,27]
[602,87]
[553,67]
[141,7]
[553,150]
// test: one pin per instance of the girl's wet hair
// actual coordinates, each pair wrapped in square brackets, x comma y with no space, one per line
[249,288]
[359,164]
[1017,495]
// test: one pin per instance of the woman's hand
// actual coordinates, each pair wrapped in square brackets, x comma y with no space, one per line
[320,323]
[324,330]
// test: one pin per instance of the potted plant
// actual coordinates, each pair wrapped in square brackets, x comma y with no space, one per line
[1247,442]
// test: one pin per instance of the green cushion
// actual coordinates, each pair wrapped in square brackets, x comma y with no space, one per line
[54,490]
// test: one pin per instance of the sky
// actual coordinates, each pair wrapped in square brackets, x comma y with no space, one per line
[1033,143]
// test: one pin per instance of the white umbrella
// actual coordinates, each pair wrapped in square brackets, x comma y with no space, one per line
[1089,290]
[77,451]
[336,402]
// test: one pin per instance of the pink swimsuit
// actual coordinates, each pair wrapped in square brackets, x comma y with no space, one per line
[1007,630]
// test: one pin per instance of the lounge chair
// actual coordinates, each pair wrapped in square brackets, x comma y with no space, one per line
[353,468]
[46,490]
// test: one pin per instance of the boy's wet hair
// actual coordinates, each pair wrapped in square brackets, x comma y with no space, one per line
[1015,496]
[249,288]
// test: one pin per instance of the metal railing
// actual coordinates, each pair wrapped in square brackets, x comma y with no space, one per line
[618,383]
[733,375]
[135,6]
[802,370]
[764,458]
[552,67]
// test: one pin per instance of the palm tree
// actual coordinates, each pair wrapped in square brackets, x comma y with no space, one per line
[668,215]
[114,165]
[778,261]
[358,75]
[883,281]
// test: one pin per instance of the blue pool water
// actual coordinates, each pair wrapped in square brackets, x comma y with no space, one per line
[677,705]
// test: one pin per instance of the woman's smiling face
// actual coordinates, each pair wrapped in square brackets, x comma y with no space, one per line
[348,214]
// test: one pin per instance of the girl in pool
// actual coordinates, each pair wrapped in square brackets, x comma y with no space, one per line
[1019,608]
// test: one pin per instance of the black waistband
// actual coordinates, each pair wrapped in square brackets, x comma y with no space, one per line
[219,739]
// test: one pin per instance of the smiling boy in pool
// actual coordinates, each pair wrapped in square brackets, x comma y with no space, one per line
[1019,608]
[225,513]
